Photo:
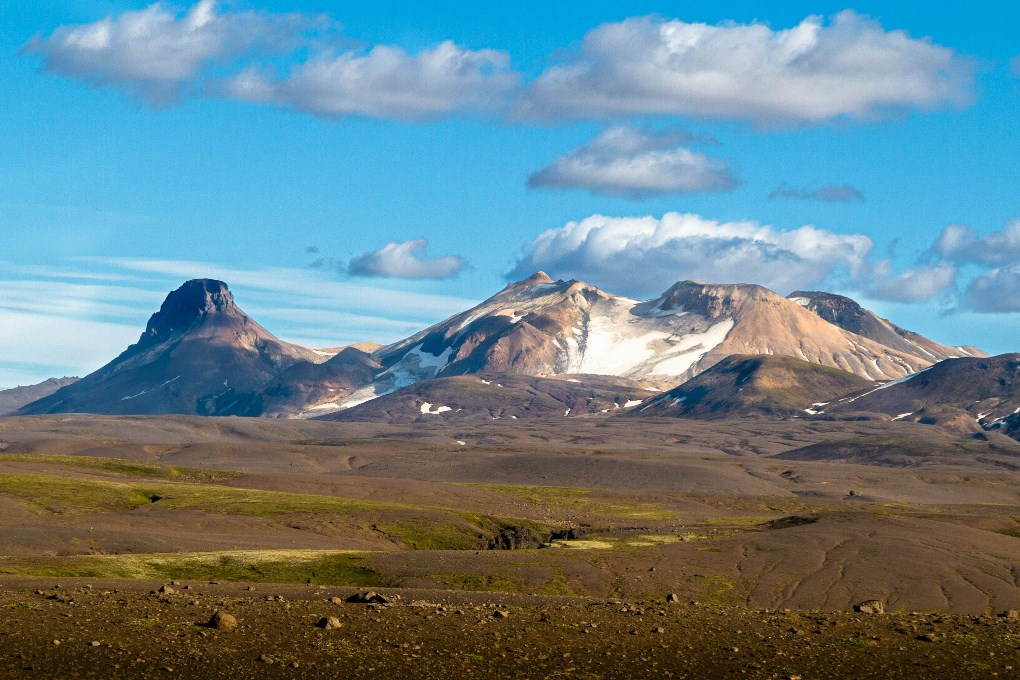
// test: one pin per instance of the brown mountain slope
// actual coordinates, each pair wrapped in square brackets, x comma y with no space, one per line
[754,386]
[199,354]
[494,396]
[849,315]
[967,394]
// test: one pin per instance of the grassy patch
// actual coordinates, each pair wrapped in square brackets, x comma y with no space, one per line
[572,501]
[117,466]
[260,566]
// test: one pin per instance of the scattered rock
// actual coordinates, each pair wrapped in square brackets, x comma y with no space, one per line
[660,630]
[673,598]
[95,643]
[266,659]
[501,614]
[335,600]
[167,590]
[369,597]
[870,607]
[329,623]
[222,621]
[1010,614]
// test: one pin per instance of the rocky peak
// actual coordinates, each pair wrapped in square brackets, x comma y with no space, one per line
[709,299]
[195,299]
[836,309]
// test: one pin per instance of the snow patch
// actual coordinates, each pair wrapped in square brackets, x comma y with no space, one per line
[427,409]
[632,402]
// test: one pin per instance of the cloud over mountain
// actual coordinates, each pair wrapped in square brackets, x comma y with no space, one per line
[640,254]
[406,261]
[633,162]
[849,67]
[915,285]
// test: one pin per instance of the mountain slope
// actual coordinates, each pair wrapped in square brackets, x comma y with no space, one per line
[493,396]
[199,354]
[760,385]
[849,315]
[967,394]
[542,327]
[16,397]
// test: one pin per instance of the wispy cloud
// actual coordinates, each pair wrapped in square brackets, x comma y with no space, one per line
[644,255]
[634,163]
[829,193]
[406,260]
[817,71]
[75,318]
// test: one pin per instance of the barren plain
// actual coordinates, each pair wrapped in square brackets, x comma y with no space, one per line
[765,533]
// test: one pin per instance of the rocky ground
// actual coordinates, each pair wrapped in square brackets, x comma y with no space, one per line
[108,629]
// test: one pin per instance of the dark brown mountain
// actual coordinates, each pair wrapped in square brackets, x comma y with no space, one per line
[199,354]
[16,397]
[754,386]
[488,396]
[849,315]
[307,389]
[968,395]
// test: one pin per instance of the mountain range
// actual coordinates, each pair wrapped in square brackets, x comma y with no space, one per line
[538,347]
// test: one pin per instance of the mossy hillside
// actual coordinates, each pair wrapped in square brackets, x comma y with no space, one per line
[119,466]
[570,502]
[262,566]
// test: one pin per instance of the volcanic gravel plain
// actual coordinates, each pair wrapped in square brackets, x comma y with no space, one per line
[597,548]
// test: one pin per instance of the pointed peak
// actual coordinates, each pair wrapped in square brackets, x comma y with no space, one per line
[537,279]
[194,299]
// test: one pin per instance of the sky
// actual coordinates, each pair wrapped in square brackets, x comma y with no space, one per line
[358,171]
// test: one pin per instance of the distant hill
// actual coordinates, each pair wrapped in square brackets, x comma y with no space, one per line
[488,396]
[754,386]
[16,397]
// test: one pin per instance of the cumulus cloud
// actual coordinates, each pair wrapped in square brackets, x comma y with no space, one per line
[849,67]
[406,261]
[915,285]
[632,162]
[158,53]
[958,243]
[386,82]
[994,292]
[829,193]
[644,255]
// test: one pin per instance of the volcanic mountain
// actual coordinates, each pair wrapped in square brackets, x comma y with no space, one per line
[966,394]
[16,397]
[542,327]
[850,316]
[492,396]
[754,386]
[199,354]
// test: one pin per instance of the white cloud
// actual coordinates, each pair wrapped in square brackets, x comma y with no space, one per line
[958,243]
[644,255]
[915,285]
[631,162]
[849,67]
[158,53]
[829,193]
[386,82]
[994,292]
[406,261]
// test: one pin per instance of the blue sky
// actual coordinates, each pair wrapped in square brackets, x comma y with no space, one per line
[357,171]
